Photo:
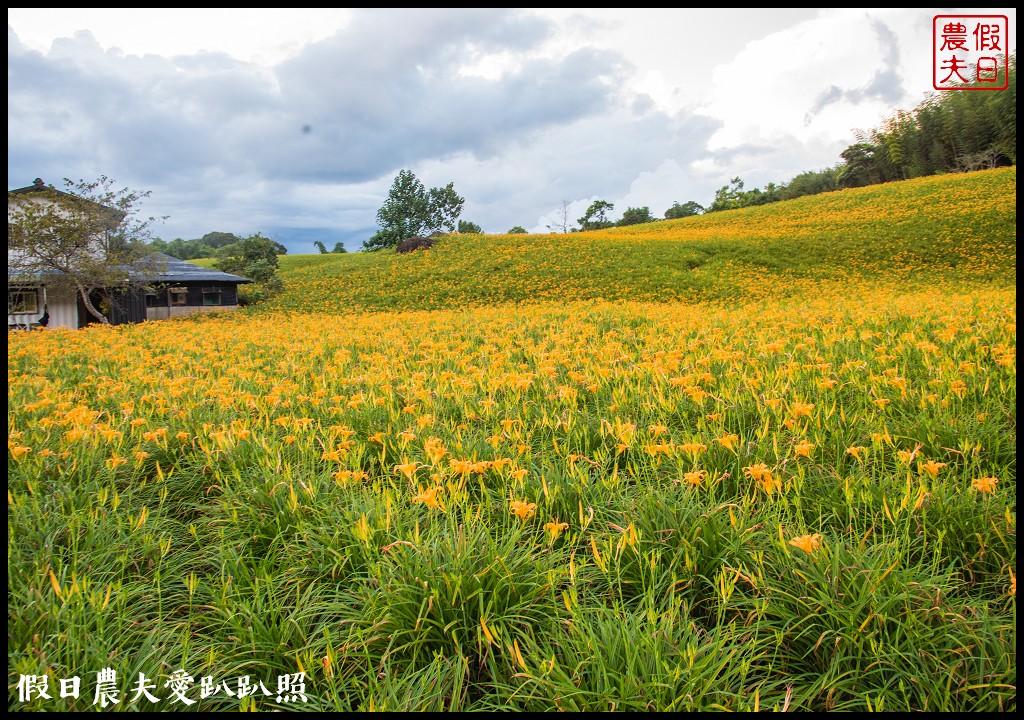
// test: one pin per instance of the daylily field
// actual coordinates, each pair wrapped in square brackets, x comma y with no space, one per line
[757,459]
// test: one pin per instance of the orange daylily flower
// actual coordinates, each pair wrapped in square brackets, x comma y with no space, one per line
[807,543]
[20,451]
[856,450]
[801,409]
[693,447]
[985,484]
[695,477]
[116,460]
[460,467]
[556,528]
[803,448]
[756,472]
[434,449]
[663,448]
[429,497]
[761,474]
[408,469]
[729,441]
[522,509]
[908,456]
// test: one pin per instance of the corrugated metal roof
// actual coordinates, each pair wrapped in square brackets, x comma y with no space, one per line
[164,268]
[156,268]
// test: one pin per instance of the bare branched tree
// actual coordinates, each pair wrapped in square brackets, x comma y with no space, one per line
[561,223]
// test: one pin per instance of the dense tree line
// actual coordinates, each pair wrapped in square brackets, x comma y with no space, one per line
[254,257]
[210,245]
[955,131]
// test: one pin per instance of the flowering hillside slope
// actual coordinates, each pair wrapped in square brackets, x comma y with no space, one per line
[938,229]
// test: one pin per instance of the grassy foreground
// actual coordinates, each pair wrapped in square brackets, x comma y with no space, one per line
[805,501]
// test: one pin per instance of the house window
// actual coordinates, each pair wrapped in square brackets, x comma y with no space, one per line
[211,296]
[152,300]
[178,295]
[22,302]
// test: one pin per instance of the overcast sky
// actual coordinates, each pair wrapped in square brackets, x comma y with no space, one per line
[294,123]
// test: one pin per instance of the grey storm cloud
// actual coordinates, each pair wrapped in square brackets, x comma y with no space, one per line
[359,130]
[81,107]
[885,85]
[382,97]
[377,95]
[229,145]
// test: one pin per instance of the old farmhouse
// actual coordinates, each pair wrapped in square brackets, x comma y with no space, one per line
[177,287]
[154,287]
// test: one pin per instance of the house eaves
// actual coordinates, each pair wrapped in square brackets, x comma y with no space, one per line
[161,268]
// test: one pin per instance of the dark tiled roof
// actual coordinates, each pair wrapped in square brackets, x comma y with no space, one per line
[164,268]
[39,186]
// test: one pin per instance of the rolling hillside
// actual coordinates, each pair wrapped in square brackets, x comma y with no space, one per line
[949,228]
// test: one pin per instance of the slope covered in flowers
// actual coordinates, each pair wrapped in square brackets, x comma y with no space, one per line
[950,227]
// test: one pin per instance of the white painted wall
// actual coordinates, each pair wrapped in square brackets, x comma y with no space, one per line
[63,308]
[62,305]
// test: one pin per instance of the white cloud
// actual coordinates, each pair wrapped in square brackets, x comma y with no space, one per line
[820,79]
[263,36]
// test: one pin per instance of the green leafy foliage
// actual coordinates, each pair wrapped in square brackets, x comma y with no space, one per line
[636,216]
[205,247]
[733,196]
[811,182]
[184,249]
[686,209]
[411,210]
[596,216]
[255,258]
